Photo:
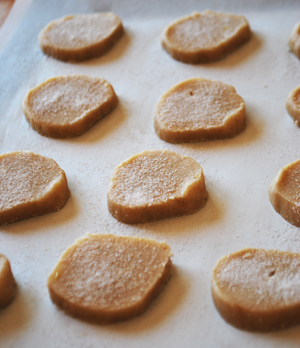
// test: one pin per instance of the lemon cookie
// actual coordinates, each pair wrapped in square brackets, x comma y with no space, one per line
[154,185]
[106,278]
[293,105]
[67,106]
[258,290]
[284,193]
[294,40]
[31,185]
[199,109]
[205,37]
[80,37]
[7,282]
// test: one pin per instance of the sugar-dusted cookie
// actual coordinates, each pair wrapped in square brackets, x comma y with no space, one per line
[199,109]
[80,37]
[104,278]
[294,40]
[293,105]
[284,193]
[258,290]
[7,283]
[154,185]
[205,37]
[31,185]
[67,106]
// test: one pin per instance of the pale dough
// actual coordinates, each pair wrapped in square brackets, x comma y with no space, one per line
[284,193]
[293,105]
[199,109]
[294,40]
[154,185]
[205,37]
[67,106]
[31,185]
[80,37]
[7,282]
[104,278]
[258,290]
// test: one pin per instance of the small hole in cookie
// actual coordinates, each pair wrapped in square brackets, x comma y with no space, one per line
[271,273]
[191,93]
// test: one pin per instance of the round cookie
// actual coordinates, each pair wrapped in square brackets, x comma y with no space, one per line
[294,40]
[31,185]
[155,185]
[199,109]
[7,282]
[284,193]
[80,37]
[293,105]
[104,278]
[67,106]
[258,290]
[205,37]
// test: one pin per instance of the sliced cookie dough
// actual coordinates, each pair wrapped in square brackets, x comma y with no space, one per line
[31,185]
[67,106]
[7,282]
[258,290]
[80,37]
[293,105]
[199,109]
[284,193]
[155,185]
[106,278]
[294,40]
[205,37]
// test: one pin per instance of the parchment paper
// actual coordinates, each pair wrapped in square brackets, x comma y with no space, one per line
[238,171]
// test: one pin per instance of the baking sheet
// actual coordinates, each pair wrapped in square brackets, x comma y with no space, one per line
[238,171]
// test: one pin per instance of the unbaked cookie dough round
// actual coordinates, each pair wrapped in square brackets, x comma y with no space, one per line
[199,109]
[293,105]
[80,37]
[104,278]
[155,185]
[31,185]
[67,106]
[258,290]
[294,40]
[205,37]
[7,282]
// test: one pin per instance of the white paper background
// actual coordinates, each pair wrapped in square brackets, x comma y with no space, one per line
[238,171]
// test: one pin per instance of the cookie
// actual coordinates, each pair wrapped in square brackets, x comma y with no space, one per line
[155,185]
[81,37]
[293,105]
[258,290]
[205,37]
[7,283]
[294,40]
[67,106]
[104,278]
[199,109]
[284,193]
[31,185]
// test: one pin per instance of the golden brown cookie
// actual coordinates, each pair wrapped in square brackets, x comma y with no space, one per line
[7,283]
[80,37]
[205,37]
[293,105]
[155,185]
[199,109]
[284,193]
[31,185]
[294,40]
[104,278]
[67,106]
[258,290]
